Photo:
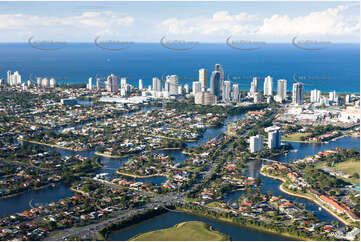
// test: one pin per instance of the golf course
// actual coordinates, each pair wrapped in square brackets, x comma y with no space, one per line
[187,231]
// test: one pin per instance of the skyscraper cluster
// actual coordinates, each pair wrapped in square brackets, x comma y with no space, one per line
[171,87]
[13,79]
[219,89]
[90,85]
[45,82]
[255,91]
[333,98]
[111,84]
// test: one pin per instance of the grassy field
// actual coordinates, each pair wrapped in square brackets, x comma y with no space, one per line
[294,137]
[213,204]
[350,167]
[187,231]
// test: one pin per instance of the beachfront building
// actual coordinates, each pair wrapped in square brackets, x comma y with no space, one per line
[268,86]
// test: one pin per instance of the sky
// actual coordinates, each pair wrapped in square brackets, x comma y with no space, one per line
[184,21]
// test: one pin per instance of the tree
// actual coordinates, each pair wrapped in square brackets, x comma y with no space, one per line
[258,181]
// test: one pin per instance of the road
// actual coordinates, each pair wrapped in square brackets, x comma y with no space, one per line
[89,231]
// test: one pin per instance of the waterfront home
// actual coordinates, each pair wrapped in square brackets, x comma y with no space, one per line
[294,186]
[292,176]
[331,202]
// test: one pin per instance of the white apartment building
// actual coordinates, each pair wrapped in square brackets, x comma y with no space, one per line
[268,86]
[256,143]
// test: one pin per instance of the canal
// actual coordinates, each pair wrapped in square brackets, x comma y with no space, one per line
[298,151]
[33,198]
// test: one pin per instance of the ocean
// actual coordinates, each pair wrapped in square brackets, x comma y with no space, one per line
[336,67]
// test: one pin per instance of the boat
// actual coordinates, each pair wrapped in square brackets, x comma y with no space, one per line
[319,208]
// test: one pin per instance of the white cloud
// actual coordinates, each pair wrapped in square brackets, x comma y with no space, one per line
[331,21]
[216,27]
[219,22]
[104,19]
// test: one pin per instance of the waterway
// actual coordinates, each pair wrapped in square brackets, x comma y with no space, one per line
[272,186]
[21,202]
[299,151]
[33,198]
[172,218]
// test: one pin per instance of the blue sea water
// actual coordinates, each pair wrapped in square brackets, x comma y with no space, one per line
[336,67]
